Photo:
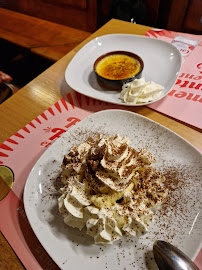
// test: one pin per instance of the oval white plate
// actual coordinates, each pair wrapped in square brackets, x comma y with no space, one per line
[179,224]
[162,62]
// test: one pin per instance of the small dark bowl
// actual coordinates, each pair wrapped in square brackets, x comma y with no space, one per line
[117,84]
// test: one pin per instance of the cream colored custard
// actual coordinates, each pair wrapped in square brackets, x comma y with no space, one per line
[109,188]
[117,67]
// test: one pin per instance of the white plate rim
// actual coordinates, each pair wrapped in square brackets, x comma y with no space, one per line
[123,35]
[25,193]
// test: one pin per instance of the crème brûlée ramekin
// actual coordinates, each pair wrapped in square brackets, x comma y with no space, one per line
[115,68]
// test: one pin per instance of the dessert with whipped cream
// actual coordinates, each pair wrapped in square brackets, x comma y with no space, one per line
[140,91]
[110,188]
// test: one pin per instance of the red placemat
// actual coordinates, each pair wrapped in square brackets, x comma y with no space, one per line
[20,152]
[184,101]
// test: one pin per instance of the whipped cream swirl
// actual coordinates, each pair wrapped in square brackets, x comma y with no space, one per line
[109,188]
[139,91]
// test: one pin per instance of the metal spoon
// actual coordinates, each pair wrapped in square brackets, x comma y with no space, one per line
[169,257]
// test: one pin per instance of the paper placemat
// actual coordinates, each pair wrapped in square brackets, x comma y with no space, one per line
[20,152]
[184,101]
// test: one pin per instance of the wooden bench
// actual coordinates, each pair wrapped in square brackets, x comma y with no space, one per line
[42,37]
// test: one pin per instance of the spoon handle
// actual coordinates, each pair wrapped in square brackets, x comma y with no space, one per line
[168,257]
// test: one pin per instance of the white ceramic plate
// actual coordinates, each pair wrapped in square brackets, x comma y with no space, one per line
[178,222]
[162,62]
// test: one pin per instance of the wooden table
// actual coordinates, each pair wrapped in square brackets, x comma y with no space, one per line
[45,90]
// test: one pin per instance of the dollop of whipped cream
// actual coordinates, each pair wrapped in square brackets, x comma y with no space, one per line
[139,91]
[110,188]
